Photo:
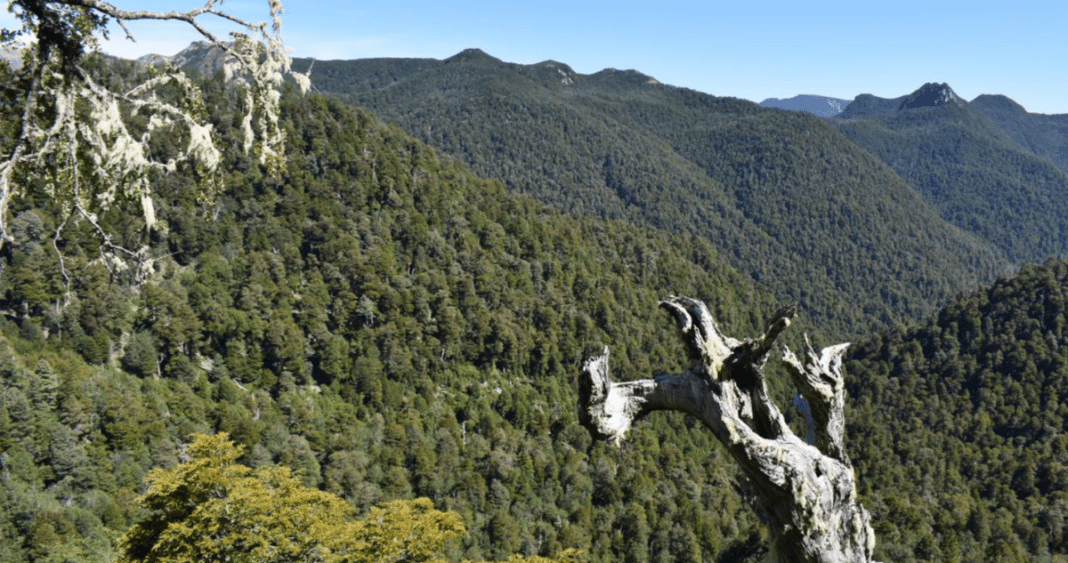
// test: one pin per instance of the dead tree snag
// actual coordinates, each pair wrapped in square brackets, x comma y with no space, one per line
[804,489]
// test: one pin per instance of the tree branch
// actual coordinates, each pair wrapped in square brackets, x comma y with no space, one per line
[805,493]
[821,396]
[53,139]
[189,17]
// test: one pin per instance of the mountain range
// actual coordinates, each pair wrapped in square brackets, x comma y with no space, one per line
[927,170]
[927,96]
[618,144]
[968,167]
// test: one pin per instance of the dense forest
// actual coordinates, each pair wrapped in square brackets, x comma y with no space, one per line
[958,425]
[380,321]
[971,170]
[780,194]
[387,325]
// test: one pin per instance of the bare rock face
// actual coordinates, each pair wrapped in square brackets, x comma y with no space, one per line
[201,56]
[804,489]
[930,95]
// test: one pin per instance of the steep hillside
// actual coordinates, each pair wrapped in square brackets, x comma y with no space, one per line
[1045,136]
[959,425]
[968,168]
[379,320]
[388,325]
[790,201]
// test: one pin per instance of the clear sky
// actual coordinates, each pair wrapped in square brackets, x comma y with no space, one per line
[751,50]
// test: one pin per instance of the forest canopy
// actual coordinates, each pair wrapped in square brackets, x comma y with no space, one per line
[211,508]
[376,319]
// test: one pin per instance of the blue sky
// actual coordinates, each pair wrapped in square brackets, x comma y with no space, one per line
[745,49]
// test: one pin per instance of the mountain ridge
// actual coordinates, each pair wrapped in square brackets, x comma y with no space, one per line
[612,144]
[930,95]
[603,142]
[1045,136]
[970,165]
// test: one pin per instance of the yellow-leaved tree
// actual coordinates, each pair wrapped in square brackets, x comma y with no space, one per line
[212,508]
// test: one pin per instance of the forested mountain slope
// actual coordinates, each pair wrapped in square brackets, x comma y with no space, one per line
[958,425]
[971,168]
[1045,136]
[790,201]
[379,320]
[389,325]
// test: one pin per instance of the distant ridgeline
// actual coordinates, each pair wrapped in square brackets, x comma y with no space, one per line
[929,96]
[785,196]
[985,166]
[955,195]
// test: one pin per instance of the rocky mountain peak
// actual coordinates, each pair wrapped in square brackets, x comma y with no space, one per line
[558,71]
[202,56]
[930,95]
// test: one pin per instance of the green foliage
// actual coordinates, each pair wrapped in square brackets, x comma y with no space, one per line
[786,197]
[404,531]
[385,324]
[957,425]
[211,508]
[214,509]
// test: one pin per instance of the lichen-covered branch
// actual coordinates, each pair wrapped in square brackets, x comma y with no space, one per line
[74,131]
[805,490]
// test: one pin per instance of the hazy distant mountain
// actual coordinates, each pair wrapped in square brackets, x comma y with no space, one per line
[201,56]
[822,106]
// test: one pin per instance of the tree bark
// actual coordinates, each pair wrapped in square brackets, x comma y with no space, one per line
[804,489]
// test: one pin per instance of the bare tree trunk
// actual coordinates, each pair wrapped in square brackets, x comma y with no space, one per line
[804,489]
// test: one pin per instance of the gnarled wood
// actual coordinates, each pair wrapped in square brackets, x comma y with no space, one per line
[805,490]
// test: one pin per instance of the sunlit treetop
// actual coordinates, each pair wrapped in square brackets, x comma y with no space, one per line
[211,508]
